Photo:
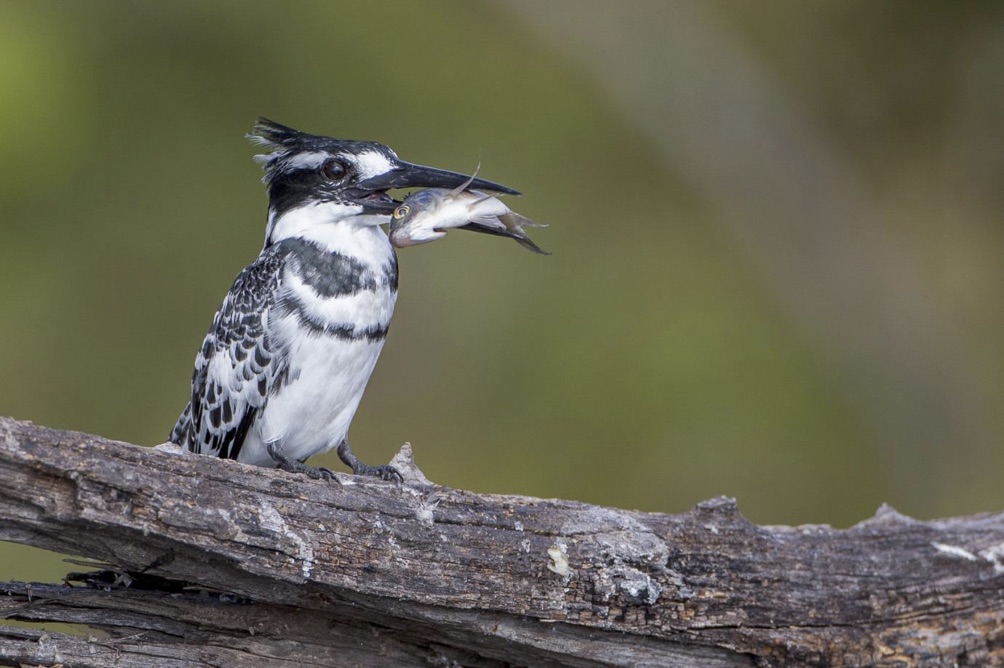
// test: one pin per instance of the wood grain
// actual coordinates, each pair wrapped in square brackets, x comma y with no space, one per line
[269,567]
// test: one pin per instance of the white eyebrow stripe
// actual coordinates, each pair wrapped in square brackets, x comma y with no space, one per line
[372,163]
[311,160]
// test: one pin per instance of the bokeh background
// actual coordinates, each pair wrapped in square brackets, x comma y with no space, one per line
[776,230]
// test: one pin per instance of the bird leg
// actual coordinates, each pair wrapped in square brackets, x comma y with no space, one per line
[385,472]
[286,464]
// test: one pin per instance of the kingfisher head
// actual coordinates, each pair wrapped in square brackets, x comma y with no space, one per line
[316,180]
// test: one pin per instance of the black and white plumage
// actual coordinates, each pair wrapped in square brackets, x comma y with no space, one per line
[282,370]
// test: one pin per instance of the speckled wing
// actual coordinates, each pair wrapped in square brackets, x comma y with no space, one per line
[237,367]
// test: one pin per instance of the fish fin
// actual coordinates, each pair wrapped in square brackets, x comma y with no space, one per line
[501,231]
[496,230]
[518,221]
[515,224]
[489,220]
[527,243]
[463,186]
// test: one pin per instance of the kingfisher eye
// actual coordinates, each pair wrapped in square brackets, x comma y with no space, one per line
[336,170]
[401,211]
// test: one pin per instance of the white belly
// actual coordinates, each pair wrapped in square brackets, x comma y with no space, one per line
[312,413]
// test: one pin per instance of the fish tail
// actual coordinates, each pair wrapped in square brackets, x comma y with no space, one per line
[528,244]
[515,224]
[514,220]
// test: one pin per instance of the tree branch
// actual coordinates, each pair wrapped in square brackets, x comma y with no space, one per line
[235,565]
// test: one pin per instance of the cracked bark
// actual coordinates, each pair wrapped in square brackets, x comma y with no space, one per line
[262,566]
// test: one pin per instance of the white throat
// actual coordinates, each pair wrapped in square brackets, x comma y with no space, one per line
[327,223]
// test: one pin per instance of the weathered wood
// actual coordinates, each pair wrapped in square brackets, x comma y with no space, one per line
[369,573]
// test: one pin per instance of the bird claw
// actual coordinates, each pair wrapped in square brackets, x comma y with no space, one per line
[321,473]
[384,472]
[312,472]
[286,464]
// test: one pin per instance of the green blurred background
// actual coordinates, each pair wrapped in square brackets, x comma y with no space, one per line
[776,231]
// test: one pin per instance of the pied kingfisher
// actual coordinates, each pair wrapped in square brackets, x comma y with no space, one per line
[284,365]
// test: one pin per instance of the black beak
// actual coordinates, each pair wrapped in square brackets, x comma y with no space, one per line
[407,175]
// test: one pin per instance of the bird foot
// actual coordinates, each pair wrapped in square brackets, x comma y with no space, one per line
[384,472]
[286,464]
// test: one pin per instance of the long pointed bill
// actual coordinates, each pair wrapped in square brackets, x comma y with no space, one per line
[407,175]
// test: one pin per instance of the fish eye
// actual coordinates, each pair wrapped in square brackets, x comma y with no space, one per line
[335,169]
[401,211]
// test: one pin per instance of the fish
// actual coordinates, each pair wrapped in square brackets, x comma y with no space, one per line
[427,214]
